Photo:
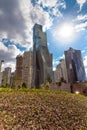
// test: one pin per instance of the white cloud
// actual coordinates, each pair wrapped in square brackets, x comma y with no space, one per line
[81,3]
[18,17]
[80,23]
[55,62]
[38,15]
[53,6]
[83,51]
[80,26]
[8,64]
[8,54]
[81,17]
[62,57]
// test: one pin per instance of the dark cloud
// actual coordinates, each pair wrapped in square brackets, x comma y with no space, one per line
[12,21]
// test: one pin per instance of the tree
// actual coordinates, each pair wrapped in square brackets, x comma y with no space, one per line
[24,85]
[48,79]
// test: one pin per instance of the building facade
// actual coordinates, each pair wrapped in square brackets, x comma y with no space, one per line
[27,66]
[6,75]
[18,72]
[61,72]
[0,73]
[74,65]
[42,59]
[1,61]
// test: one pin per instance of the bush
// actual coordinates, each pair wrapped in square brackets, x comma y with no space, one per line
[2,86]
[46,85]
[59,83]
[48,79]
[24,85]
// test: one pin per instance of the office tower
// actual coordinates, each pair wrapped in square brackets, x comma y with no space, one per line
[61,72]
[27,68]
[42,59]
[6,75]
[12,80]
[74,64]
[18,72]
[0,71]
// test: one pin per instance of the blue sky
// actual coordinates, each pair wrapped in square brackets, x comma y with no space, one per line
[65,22]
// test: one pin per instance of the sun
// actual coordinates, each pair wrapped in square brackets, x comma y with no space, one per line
[65,32]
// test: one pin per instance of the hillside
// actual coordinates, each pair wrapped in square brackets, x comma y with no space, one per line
[42,110]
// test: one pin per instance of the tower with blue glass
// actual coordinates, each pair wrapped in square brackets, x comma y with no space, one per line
[74,65]
[42,59]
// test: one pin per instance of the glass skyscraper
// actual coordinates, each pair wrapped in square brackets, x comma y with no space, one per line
[42,59]
[74,65]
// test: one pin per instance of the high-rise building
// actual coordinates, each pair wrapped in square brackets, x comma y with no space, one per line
[6,75]
[12,79]
[61,72]
[42,59]
[27,68]
[74,64]
[18,72]
[0,71]
[64,70]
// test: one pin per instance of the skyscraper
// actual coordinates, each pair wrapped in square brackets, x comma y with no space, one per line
[42,59]
[74,64]
[24,69]
[6,75]
[27,68]
[61,72]
[0,71]
[18,72]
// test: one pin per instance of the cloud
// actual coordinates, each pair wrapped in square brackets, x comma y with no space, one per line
[81,17]
[17,18]
[8,54]
[81,3]
[83,51]
[62,57]
[9,64]
[55,62]
[12,22]
[80,23]
[38,15]
[53,6]
[81,26]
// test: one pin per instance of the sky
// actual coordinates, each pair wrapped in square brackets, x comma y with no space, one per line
[65,22]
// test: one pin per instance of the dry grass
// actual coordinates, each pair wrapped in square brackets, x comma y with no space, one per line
[42,110]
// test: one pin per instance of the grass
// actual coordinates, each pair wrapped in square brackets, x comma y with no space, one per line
[33,109]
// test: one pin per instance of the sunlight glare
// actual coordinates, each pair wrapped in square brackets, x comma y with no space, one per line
[66,31]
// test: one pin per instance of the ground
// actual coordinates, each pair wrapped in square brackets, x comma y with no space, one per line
[42,110]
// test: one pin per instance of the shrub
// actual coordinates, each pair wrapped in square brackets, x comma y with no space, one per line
[48,79]
[59,83]
[24,85]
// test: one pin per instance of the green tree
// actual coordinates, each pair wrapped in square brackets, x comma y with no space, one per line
[24,85]
[48,79]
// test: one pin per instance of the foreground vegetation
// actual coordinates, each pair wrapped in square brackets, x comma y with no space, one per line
[30,109]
